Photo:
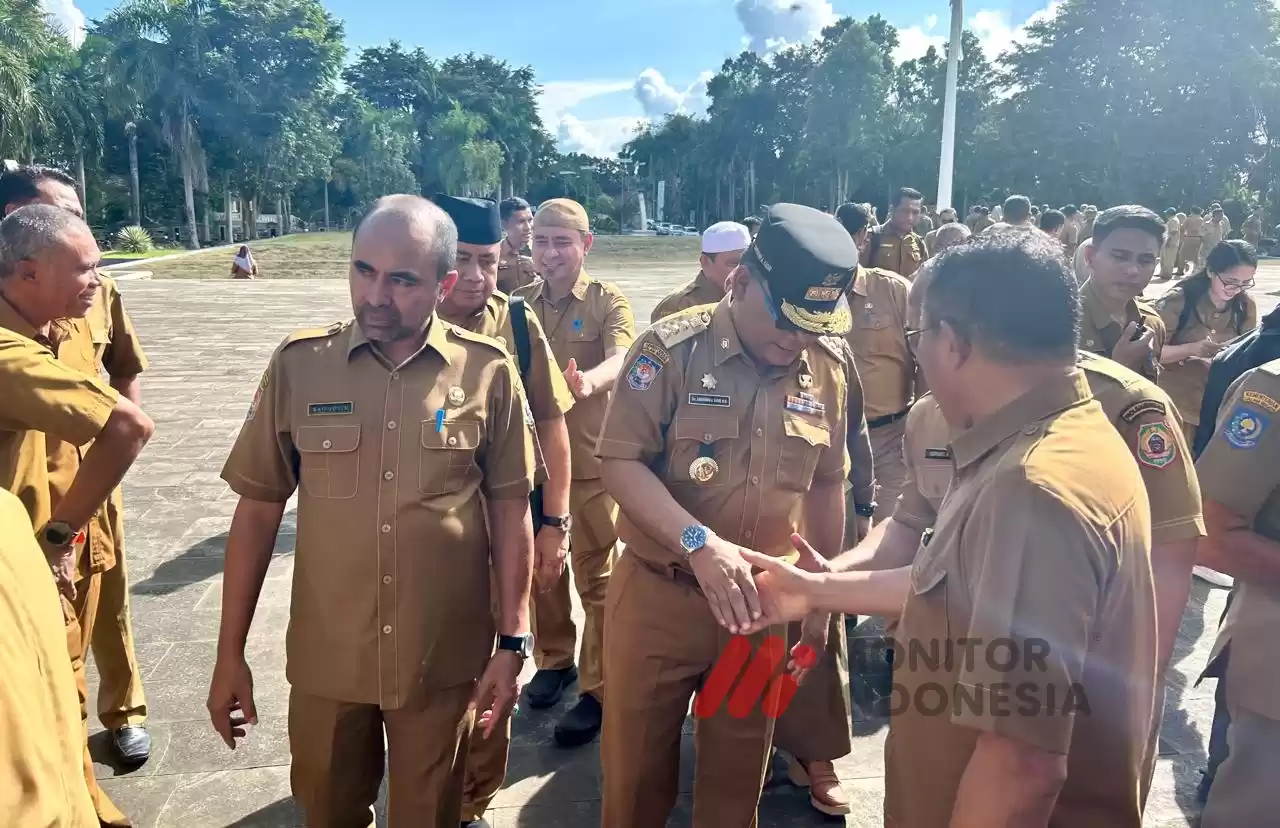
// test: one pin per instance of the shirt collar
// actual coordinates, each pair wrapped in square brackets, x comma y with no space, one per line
[1046,399]
[859,285]
[1094,311]
[13,320]
[435,340]
[701,280]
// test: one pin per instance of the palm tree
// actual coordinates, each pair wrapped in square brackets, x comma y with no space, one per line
[25,40]
[157,63]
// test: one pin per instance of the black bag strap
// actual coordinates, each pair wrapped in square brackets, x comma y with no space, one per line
[520,328]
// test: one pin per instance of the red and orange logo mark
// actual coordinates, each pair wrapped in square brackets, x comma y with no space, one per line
[747,681]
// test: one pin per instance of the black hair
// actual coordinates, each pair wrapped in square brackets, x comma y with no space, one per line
[511,206]
[853,217]
[1070,210]
[1052,221]
[1017,208]
[751,222]
[1010,293]
[20,185]
[907,194]
[1224,256]
[1195,211]
[1127,216]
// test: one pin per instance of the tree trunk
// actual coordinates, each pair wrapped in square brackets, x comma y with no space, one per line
[326,205]
[207,224]
[189,199]
[280,215]
[84,200]
[134,184]
[226,199]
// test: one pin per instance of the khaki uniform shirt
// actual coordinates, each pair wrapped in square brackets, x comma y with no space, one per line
[1252,230]
[924,225]
[584,326]
[1138,410]
[1214,232]
[1070,237]
[391,580]
[50,410]
[689,391]
[1099,333]
[885,363]
[1240,468]
[1172,236]
[515,269]
[1086,228]
[548,392]
[41,745]
[1044,540]
[700,291]
[1193,227]
[1185,381]
[901,254]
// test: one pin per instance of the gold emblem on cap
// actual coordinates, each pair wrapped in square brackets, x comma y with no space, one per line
[456,396]
[832,279]
[818,321]
[709,382]
[703,469]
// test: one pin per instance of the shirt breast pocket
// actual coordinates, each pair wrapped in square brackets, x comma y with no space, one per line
[803,442]
[691,434]
[927,613]
[448,455]
[330,458]
[876,334]
[934,480]
[584,343]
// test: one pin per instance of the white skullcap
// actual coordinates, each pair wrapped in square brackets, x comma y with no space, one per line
[726,236]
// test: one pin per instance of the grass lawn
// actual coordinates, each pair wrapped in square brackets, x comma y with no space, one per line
[326,255]
[111,255]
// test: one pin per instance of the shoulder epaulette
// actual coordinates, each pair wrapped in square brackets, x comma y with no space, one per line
[834,345]
[313,333]
[674,329]
[469,336]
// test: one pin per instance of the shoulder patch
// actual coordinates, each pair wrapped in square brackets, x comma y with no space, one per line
[1156,446]
[835,346]
[674,329]
[1141,407]
[1261,400]
[1245,427]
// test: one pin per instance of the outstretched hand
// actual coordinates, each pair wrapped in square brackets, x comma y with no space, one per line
[785,590]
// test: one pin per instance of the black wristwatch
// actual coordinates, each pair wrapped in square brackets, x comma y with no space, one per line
[521,645]
[865,510]
[563,523]
[58,534]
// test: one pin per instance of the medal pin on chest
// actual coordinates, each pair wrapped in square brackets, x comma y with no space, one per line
[703,469]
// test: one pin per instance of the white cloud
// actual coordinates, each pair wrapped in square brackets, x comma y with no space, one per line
[931,22]
[66,18]
[658,98]
[601,137]
[772,25]
[558,97]
[998,35]
[915,41]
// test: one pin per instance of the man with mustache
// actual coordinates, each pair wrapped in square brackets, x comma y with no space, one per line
[413,447]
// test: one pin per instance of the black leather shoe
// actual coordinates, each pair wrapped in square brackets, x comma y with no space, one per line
[476,823]
[132,744]
[547,686]
[581,724]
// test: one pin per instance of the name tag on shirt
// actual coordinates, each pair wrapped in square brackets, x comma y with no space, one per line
[329,409]
[713,400]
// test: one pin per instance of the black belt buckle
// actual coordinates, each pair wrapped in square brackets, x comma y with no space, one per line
[887,419]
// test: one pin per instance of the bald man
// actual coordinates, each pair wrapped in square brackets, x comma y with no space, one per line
[412,445]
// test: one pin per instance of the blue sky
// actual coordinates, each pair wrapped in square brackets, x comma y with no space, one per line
[607,65]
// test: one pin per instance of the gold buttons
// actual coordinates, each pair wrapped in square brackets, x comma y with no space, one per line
[386,630]
[395,375]
[453,441]
[327,444]
[755,481]
[386,527]
[747,535]
[386,579]
[388,474]
[759,432]
[706,438]
[392,425]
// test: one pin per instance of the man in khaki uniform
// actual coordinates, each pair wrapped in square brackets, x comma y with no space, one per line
[1192,241]
[48,262]
[947,216]
[475,305]
[1114,320]
[1251,230]
[41,778]
[1172,241]
[1216,229]
[1088,218]
[886,367]
[1070,233]
[723,244]
[729,427]
[515,267]
[896,246]
[1240,478]
[1017,214]
[1042,546]
[590,326]
[412,444]
[103,341]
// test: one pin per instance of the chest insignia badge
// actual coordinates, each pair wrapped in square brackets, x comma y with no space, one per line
[703,469]
[709,382]
[457,396]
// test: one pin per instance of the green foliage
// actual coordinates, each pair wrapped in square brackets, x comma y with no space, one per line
[134,239]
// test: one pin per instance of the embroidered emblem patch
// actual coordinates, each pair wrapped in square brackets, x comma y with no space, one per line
[1156,447]
[643,372]
[1141,407]
[1244,427]
[1261,400]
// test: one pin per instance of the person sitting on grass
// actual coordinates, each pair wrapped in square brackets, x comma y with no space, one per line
[244,267]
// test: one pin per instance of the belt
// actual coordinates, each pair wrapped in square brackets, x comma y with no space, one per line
[671,572]
[886,419]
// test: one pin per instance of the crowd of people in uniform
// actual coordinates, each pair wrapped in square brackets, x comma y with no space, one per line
[978,431]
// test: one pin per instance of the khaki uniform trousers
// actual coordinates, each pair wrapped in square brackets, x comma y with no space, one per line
[593,544]
[890,466]
[80,616]
[661,641]
[487,758]
[120,698]
[1189,251]
[1169,261]
[338,758]
[816,726]
[1244,791]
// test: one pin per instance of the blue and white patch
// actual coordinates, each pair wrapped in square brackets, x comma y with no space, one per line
[643,372]
[1245,427]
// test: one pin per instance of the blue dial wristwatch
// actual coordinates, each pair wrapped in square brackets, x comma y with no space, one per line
[694,538]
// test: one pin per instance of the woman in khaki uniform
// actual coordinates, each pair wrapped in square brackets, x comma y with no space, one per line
[1201,313]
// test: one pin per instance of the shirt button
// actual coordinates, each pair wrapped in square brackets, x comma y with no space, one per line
[387,475]
[453,441]
[747,535]
[759,432]
[386,527]
[706,438]
[386,579]
[755,481]
[327,444]
[392,425]
[386,630]
[395,375]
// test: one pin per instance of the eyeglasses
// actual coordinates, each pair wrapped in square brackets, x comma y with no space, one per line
[912,336]
[1235,285]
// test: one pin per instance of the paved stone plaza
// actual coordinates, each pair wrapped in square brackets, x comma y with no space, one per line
[208,343]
